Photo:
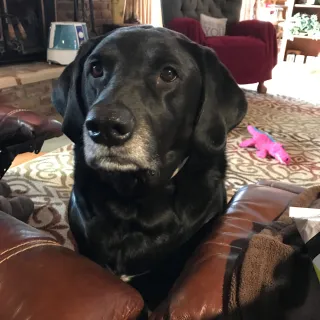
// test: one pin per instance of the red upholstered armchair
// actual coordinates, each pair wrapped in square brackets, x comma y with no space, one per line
[249,48]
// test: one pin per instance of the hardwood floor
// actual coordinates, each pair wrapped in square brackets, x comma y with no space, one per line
[293,80]
[48,146]
[24,157]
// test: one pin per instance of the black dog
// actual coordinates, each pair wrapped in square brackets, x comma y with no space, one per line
[148,111]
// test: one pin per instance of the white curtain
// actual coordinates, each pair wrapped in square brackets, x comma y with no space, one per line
[156,13]
[146,11]
[129,10]
[249,10]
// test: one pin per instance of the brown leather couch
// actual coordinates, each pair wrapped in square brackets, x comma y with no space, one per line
[40,280]
[23,131]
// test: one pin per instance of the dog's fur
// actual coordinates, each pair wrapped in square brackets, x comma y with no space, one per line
[126,212]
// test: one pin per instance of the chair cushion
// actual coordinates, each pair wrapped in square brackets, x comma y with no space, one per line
[190,28]
[42,280]
[193,9]
[243,45]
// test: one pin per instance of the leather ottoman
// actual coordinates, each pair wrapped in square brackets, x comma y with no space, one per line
[39,279]
[23,131]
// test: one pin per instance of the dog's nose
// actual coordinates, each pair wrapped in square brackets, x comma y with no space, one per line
[110,126]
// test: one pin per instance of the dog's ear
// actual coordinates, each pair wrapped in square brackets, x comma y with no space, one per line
[221,90]
[223,104]
[67,97]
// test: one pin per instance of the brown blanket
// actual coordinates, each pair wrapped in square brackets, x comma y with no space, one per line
[275,278]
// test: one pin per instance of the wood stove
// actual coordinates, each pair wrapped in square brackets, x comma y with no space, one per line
[24,29]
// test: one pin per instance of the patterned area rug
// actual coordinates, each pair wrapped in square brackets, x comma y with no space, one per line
[48,179]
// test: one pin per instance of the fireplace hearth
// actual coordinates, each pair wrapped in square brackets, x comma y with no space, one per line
[24,29]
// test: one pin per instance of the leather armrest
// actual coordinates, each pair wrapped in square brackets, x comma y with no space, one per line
[198,293]
[190,28]
[263,30]
[42,280]
[255,28]
[282,186]
[19,125]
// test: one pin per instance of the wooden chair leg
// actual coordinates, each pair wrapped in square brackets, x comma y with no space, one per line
[262,88]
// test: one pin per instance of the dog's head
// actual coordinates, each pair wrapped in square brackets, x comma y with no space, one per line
[140,98]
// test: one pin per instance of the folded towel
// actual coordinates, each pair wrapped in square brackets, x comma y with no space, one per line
[274,276]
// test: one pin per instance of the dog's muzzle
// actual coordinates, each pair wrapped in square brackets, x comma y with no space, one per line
[115,140]
[110,125]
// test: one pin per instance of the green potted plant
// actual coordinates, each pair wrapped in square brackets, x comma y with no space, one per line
[304,24]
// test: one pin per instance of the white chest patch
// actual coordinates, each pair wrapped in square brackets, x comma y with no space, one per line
[126,278]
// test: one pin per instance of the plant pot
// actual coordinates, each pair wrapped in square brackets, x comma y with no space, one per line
[118,9]
[310,2]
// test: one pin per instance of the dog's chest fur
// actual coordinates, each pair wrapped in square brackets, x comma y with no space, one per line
[120,231]
[129,231]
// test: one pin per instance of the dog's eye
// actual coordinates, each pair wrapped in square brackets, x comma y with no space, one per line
[168,74]
[96,70]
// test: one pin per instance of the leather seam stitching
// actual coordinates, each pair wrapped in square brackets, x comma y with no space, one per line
[29,248]
[16,111]
[25,244]
[12,112]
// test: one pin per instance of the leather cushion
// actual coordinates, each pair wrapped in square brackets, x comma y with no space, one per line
[198,293]
[42,280]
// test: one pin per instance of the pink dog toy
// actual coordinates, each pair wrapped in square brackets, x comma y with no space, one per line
[265,145]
